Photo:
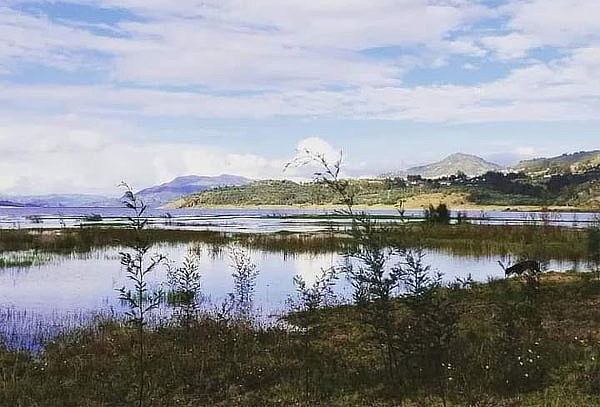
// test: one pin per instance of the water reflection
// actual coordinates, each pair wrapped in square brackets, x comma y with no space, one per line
[262,220]
[39,301]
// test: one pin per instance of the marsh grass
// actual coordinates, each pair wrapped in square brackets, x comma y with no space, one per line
[552,242]
[229,362]
[26,258]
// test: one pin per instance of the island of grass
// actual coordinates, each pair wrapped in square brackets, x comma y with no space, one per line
[550,242]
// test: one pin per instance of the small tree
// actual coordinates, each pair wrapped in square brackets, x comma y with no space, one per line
[314,296]
[185,281]
[594,247]
[367,259]
[244,276]
[139,298]
[415,275]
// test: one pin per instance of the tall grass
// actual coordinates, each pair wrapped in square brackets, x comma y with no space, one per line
[408,339]
[332,359]
[26,258]
[554,242]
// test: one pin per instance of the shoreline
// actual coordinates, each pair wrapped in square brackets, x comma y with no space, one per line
[497,208]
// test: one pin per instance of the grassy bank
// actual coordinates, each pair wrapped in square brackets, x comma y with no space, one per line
[465,239]
[496,344]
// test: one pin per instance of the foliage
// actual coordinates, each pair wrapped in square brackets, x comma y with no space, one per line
[140,300]
[594,246]
[24,258]
[312,297]
[438,214]
[481,345]
[244,276]
[492,188]
[185,282]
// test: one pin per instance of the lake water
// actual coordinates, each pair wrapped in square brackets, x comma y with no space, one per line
[37,302]
[259,220]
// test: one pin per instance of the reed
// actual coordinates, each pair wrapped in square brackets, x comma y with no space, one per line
[463,239]
[217,362]
[27,258]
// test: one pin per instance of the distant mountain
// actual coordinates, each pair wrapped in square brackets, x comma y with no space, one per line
[5,203]
[61,200]
[170,191]
[154,196]
[579,161]
[471,165]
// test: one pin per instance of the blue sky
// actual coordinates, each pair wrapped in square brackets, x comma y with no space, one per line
[95,91]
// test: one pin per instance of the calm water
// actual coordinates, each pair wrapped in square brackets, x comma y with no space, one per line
[257,220]
[36,302]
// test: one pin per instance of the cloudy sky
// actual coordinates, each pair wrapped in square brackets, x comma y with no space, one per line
[95,91]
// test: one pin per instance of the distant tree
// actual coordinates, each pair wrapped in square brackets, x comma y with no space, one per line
[438,214]
[461,176]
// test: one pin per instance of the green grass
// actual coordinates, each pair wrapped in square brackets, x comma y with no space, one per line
[228,362]
[464,239]
[285,192]
[24,259]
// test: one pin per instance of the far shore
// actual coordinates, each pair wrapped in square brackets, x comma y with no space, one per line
[454,201]
[473,207]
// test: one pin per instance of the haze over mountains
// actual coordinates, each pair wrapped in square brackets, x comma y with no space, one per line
[162,194]
[59,200]
[154,196]
[170,191]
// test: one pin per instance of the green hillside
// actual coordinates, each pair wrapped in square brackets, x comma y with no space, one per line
[285,192]
[493,188]
[580,161]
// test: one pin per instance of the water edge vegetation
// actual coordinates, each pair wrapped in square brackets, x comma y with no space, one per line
[407,337]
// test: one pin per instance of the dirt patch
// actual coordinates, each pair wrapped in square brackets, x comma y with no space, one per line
[453,200]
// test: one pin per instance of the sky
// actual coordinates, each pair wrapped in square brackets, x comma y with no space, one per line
[93,92]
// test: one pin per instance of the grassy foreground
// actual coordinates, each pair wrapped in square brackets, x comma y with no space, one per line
[505,343]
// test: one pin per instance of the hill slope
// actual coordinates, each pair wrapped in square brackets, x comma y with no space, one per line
[580,190]
[471,165]
[170,191]
[567,162]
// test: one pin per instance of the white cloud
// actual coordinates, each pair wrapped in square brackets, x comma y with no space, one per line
[556,22]
[231,59]
[513,45]
[567,89]
[233,44]
[539,23]
[316,145]
[76,157]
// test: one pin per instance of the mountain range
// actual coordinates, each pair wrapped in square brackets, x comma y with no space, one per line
[59,200]
[190,184]
[153,196]
[160,195]
[471,165]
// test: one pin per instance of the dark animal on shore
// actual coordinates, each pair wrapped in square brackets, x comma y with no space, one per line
[521,267]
